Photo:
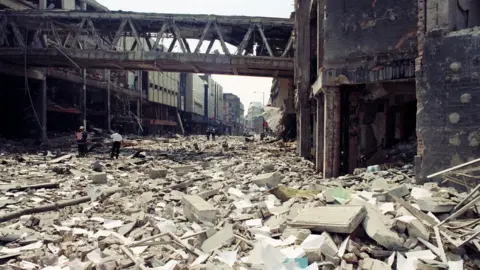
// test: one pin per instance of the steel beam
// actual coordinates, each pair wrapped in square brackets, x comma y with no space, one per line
[159,17]
[136,60]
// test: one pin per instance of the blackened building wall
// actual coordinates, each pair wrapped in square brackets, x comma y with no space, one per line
[369,41]
[448,91]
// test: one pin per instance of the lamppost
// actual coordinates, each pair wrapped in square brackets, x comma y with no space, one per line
[263,97]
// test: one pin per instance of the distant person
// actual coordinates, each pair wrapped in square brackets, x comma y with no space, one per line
[117,142]
[81,137]
[209,132]
[213,134]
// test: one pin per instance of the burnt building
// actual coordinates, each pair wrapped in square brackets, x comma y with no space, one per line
[386,82]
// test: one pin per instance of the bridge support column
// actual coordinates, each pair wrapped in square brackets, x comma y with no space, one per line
[107,76]
[331,158]
[320,139]
[43,114]
[302,76]
[84,99]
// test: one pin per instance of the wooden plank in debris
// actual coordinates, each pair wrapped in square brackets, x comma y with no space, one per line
[60,159]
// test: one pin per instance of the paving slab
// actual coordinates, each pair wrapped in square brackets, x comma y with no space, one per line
[337,219]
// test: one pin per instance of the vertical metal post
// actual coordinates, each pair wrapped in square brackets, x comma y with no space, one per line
[107,75]
[44,108]
[85,99]
[42,4]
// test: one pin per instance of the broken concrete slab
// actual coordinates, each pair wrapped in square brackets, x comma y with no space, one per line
[316,245]
[373,264]
[197,209]
[377,226]
[400,191]
[158,173]
[435,205]
[338,219]
[300,234]
[217,240]
[271,180]
[99,178]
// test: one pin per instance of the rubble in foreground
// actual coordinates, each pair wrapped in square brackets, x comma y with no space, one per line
[187,203]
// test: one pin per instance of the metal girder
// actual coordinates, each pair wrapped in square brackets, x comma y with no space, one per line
[202,38]
[136,60]
[135,34]
[289,44]
[264,39]
[78,33]
[245,40]
[160,35]
[242,21]
[17,34]
[118,34]
[220,37]
[178,37]
[70,33]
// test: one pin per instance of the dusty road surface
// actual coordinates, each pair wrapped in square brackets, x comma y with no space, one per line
[188,203]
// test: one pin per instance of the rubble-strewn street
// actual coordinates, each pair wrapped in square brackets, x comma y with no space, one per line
[188,203]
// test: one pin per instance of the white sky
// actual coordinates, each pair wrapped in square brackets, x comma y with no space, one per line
[247,88]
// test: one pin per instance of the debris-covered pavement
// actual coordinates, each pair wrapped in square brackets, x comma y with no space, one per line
[188,203]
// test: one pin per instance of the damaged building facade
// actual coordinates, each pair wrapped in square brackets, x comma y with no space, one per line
[379,82]
[130,101]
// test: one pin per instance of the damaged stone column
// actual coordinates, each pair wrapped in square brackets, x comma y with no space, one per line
[320,133]
[43,114]
[331,158]
[107,76]
[302,76]
[84,99]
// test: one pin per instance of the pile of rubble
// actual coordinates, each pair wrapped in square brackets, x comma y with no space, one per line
[187,203]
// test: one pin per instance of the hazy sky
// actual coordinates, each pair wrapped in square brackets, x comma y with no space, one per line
[247,88]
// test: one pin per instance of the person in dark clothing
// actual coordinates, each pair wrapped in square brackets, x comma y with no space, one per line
[213,134]
[117,142]
[81,137]
[209,132]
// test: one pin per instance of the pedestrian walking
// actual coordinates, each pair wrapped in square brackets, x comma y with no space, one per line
[117,142]
[213,134]
[209,132]
[81,137]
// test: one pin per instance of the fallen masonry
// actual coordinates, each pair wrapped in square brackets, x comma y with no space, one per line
[165,204]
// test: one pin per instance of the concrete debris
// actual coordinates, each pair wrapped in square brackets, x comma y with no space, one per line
[99,178]
[338,219]
[189,203]
[197,209]
[270,180]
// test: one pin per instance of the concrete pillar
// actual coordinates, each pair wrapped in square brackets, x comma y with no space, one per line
[85,99]
[83,5]
[107,76]
[319,147]
[42,4]
[43,114]
[302,76]
[331,157]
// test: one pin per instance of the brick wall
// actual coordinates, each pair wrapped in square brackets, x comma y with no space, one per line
[448,94]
